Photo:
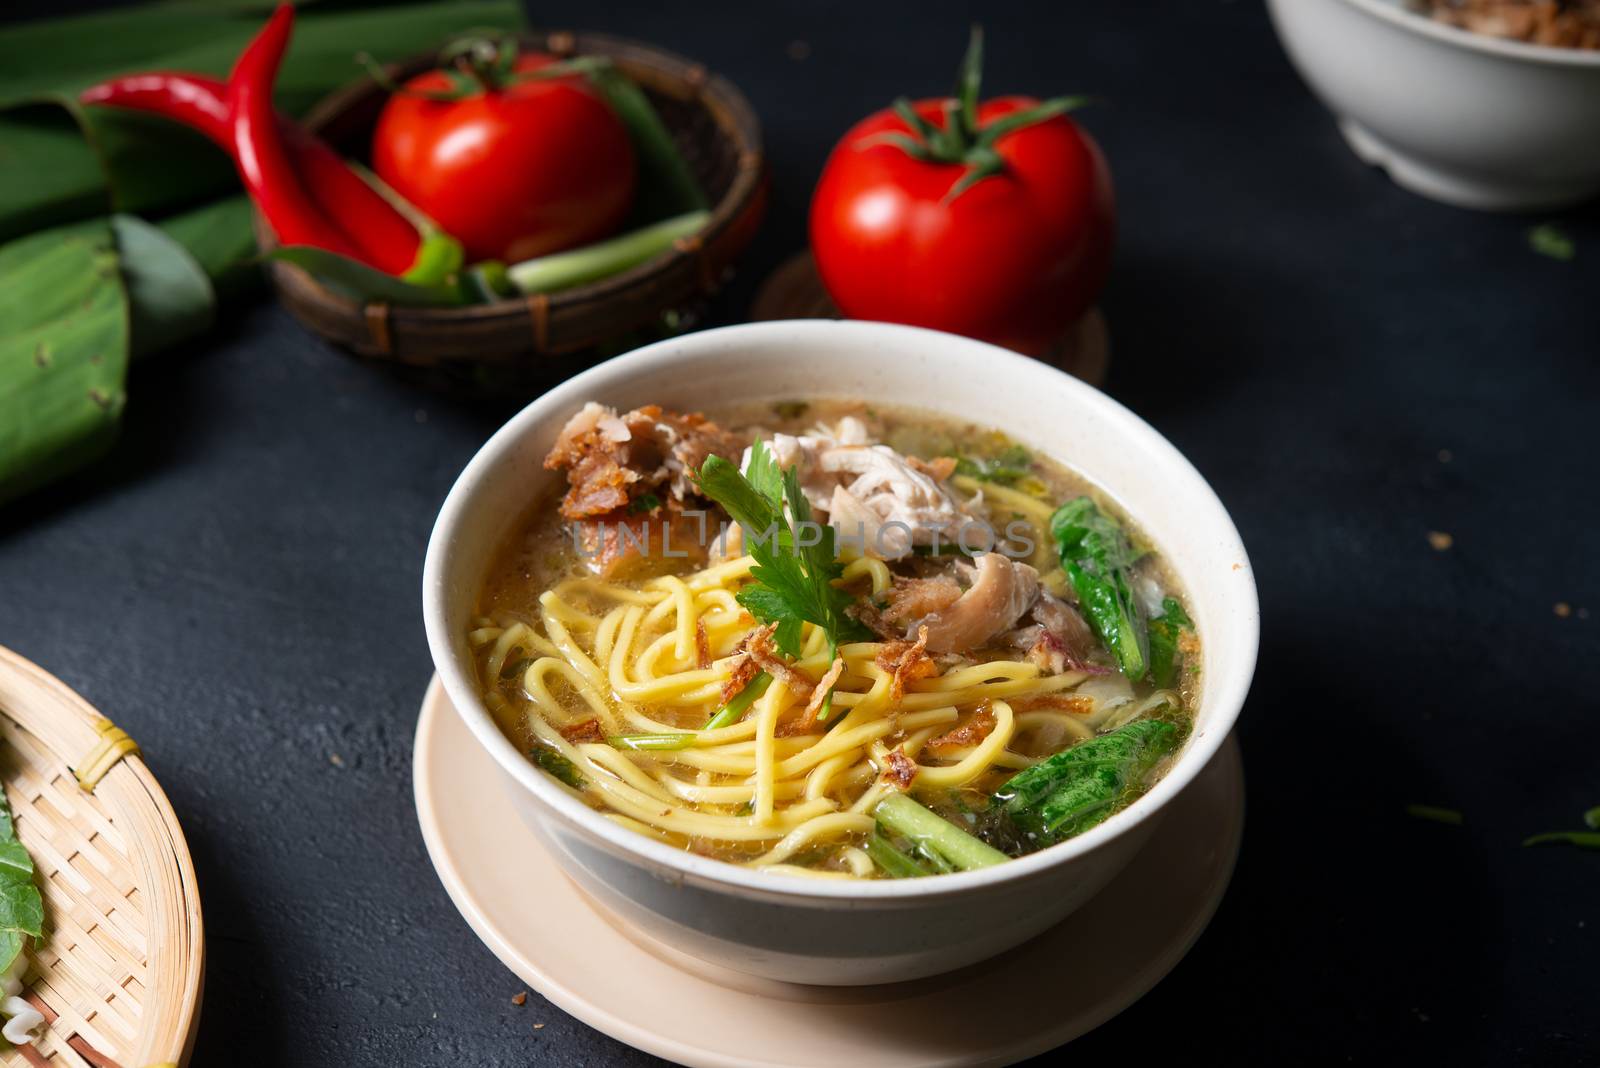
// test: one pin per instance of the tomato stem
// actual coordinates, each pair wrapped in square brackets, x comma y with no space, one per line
[960,138]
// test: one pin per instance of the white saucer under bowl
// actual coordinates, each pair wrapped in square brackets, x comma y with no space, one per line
[514,896]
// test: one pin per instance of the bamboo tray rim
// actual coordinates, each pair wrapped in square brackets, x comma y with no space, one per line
[126,798]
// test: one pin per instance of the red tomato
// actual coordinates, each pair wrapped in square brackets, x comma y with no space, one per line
[1013,259]
[512,173]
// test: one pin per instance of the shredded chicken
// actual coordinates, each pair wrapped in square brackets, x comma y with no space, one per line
[978,726]
[882,503]
[1001,591]
[906,662]
[913,598]
[899,769]
[1080,704]
[612,460]
[1560,23]
[1058,638]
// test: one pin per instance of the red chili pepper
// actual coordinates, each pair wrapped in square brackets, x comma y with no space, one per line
[259,152]
[386,238]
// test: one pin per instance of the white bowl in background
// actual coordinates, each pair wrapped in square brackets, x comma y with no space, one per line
[789,927]
[1460,117]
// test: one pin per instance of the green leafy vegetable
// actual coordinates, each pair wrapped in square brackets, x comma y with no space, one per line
[793,573]
[21,907]
[1164,631]
[1079,787]
[665,742]
[645,502]
[1098,559]
[941,841]
[558,766]
[1006,467]
[891,861]
[514,668]
[1550,240]
[729,713]
[1436,814]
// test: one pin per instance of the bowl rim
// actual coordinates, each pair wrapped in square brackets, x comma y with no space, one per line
[1395,12]
[1225,693]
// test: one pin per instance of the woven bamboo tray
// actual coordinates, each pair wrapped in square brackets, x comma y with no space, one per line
[715,129]
[118,972]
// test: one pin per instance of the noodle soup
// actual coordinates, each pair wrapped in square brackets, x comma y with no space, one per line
[832,639]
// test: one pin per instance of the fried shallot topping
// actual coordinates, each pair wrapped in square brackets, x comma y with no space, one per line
[587,731]
[702,646]
[613,460]
[754,654]
[899,769]
[978,726]
[939,469]
[807,721]
[907,662]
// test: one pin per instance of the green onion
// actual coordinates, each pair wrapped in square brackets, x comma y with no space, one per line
[894,863]
[1581,839]
[729,713]
[657,742]
[928,830]
[558,766]
[562,270]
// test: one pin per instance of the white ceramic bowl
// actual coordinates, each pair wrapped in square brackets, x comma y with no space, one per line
[789,927]
[1459,117]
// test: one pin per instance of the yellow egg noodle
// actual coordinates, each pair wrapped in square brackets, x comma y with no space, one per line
[628,655]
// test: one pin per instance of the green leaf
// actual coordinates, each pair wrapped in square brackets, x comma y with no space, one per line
[1098,557]
[218,236]
[1164,633]
[793,583]
[170,299]
[1007,467]
[63,352]
[1080,787]
[1550,240]
[360,282]
[21,907]
[1591,818]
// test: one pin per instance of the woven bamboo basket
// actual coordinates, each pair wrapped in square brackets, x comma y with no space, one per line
[715,129]
[118,972]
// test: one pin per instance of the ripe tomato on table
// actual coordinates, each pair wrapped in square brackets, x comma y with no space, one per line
[512,164]
[992,220]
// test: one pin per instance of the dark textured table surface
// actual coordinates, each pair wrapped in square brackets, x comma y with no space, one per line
[1350,366]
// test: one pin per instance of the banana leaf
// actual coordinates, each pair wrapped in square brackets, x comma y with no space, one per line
[63,352]
[85,282]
